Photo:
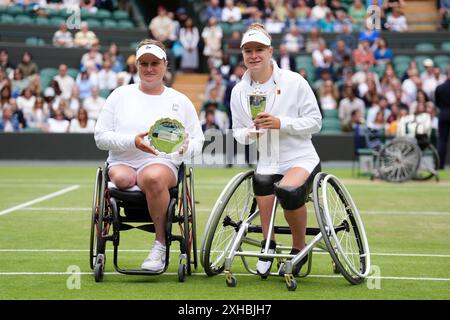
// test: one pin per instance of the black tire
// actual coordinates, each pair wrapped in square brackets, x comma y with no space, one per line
[223,222]
[187,240]
[399,160]
[193,220]
[94,218]
[428,167]
[344,220]
[99,268]
[182,272]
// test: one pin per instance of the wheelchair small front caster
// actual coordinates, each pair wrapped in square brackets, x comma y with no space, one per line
[99,268]
[230,280]
[182,272]
[291,283]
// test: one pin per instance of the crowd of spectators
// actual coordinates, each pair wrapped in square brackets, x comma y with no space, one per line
[353,76]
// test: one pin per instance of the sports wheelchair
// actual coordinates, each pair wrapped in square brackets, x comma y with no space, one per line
[231,232]
[410,155]
[107,203]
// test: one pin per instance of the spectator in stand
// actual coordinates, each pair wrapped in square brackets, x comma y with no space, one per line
[94,104]
[357,13]
[214,10]
[389,5]
[25,102]
[346,69]
[65,81]
[27,65]
[442,98]
[369,35]
[18,83]
[348,104]
[397,21]
[313,40]
[347,37]
[335,6]
[84,84]
[217,83]
[428,72]
[293,40]
[383,54]
[342,20]
[273,25]
[400,97]
[320,10]
[81,123]
[5,64]
[301,9]
[9,122]
[234,41]
[63,37]
[18,113]
[210,121]
[231,13]
[58,123]
[105,4]
[281,9]
[85,38]
[212,36]
[328,96]
[220,117]
[39,115]
[5,95]
[88,5]
[285,60]
[308,23]
[363,54]
[189,38]
[430,84]
[107,78]
[369,91]
[444,13]
[322,57]
[421,99]
[92,56]
[339,52]
[411,85]
[130,75]
[50,100]
[117,60]
[373,112]
[388,83]
[326,24]
[74,100]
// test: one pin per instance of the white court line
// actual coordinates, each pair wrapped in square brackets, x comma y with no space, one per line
[202,274]
[419,255]
[371,212]
[40,199]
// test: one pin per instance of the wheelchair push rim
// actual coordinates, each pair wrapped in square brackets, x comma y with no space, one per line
[342,228]
[224,221]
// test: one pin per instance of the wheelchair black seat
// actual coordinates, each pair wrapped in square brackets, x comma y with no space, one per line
[135,196]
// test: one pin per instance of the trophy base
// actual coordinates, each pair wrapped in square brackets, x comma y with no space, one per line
[254,130]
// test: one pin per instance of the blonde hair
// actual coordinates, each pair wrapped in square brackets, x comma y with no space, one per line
[151,42]
[259,27]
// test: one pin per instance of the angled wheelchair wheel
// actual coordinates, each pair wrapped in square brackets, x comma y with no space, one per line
[94,217]
[341,227]
[233,206]
[188,222]
[429,164]
[399,160]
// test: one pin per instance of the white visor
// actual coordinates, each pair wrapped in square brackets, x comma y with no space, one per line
[255,36]
[152,49]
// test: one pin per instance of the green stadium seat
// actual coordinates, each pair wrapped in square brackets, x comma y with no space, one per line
[445,45]
[120,15]
[402,58]
[330,125]
[102,14]
[34,41]
[14,10]
[109,23]
[330,113]
[56,21]
[125,24]
[72,72]
[239,26]
[23,19]
[225,26]
[134,44]
[104,93]
[6,18]
[303,61]
[379,69]
[425,46]
[420,58]
[94,23]
[42,21]
[3,8]
[48,72]
[85,14]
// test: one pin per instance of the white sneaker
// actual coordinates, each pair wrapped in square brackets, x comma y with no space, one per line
[264,264]
[156,260]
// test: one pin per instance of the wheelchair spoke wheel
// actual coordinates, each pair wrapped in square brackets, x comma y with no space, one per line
[232,207]
[94,218]
[341,227]
[399,160]
[188,222]
[429,164]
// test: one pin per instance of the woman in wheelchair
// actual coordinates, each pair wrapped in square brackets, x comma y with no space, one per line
[285,127]
[122,129]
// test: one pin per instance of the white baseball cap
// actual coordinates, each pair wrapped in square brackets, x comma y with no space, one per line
[255,36]
[152,49]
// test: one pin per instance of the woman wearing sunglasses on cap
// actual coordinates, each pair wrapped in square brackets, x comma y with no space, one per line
[285,127]
[122,129]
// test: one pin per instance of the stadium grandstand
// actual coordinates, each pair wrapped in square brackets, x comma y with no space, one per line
[368,62]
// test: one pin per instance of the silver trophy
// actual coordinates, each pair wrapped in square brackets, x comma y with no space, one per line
[257,101]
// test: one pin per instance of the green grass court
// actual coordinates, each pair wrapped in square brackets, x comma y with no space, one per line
[43,238]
